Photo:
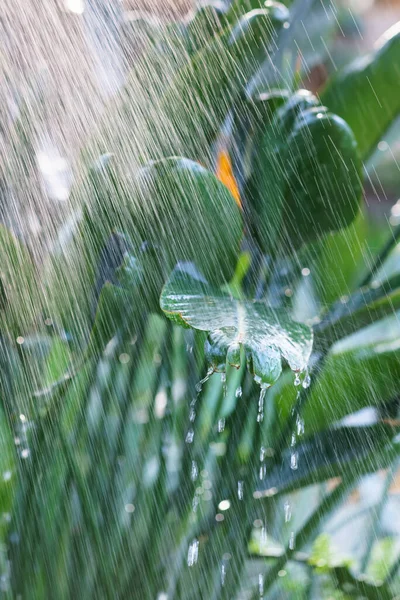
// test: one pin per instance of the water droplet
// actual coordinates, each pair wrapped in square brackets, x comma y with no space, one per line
[240,490]
[306,381]
[195,503]
[263,471]
[294,461]
[224,505]
[7,475]
[224,386]
[263,453]
[192,415]
[199,385]
[129,508]
[221,425]
[238,392]
[194,473]
[288,511]
[193,553]
[293,441]
[189,436]
[297,380]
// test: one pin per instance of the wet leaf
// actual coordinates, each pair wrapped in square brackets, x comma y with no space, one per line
[335,260]
[184,210]
[306,176]
[330,454]
[269,336]
[364,375]
[366,93]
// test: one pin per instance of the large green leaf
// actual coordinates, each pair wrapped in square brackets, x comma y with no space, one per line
[331,453]
[366,94]
[190,215]
[268,335]
[306,176]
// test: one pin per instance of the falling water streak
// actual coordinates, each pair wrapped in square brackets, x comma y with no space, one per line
[221,425]
[261,585]
[288,511]
[263,391]
[263,454]
[199,385]
[263,536]
[292,541]
[240,490]
[192,410]
[195,471]
[303,379]
[21,441]
[193,553]
[223,573]
[189,436]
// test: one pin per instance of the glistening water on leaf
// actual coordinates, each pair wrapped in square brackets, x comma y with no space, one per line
[268,335]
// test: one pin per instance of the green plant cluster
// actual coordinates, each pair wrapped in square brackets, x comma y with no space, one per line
[130,470]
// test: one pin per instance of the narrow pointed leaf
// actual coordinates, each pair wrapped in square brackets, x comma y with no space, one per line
[330,454]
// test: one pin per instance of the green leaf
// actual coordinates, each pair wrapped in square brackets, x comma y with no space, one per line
[268,335]
[306,176]
[366,94]
[330,453]
[365,307]
[184,210]
[334,260]
[352,379]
